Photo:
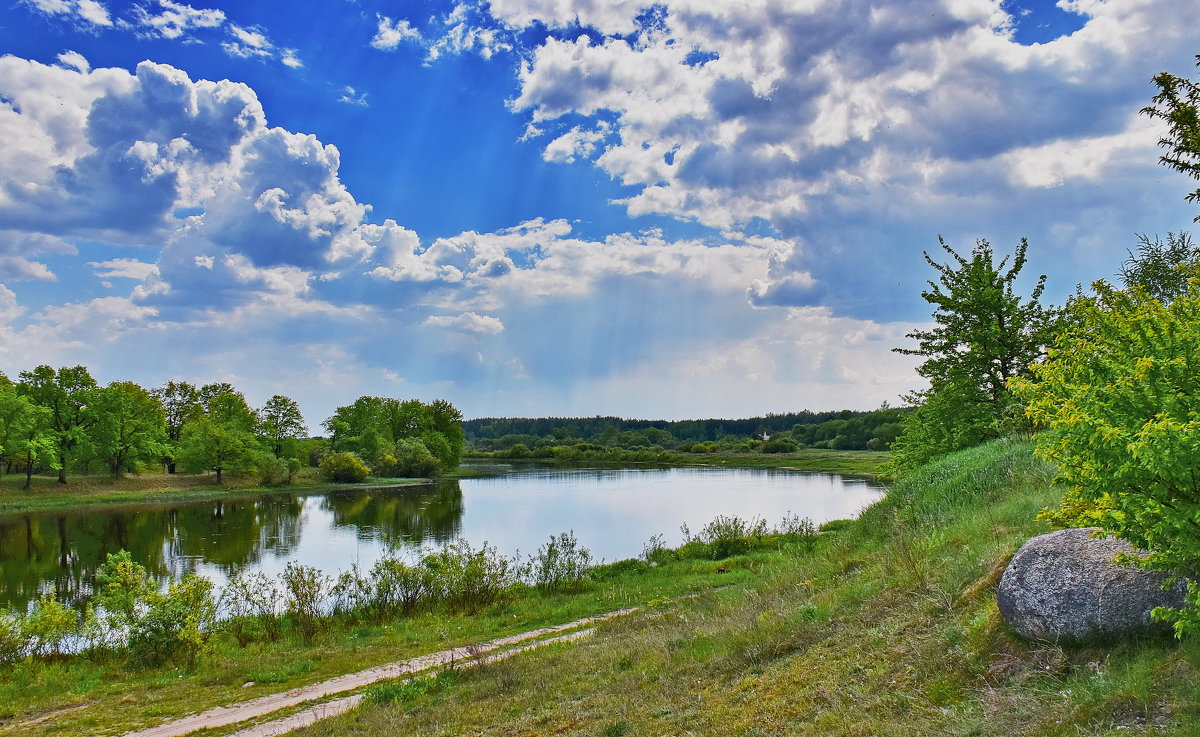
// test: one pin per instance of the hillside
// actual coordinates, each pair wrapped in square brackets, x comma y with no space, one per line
[889,627]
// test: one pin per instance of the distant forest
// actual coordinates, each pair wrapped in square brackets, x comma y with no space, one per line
[779,433]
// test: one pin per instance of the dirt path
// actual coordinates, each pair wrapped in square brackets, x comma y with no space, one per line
[222,716]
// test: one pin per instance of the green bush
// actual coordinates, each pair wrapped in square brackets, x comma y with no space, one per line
[345,468]
[250,602]
[723,537]
[277,471]
[399,586]
[609,571]
[560,563]
[176,625]
[781,445]
[12,641]
[305,590]
[1118,399]
[468,580]
[47,625]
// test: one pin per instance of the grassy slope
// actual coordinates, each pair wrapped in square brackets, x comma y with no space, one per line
[889,628]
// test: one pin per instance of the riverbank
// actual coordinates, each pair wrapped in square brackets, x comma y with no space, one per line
[812,460]
[47,495]
[886,626]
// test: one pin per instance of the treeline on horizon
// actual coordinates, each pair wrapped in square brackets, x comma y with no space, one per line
[64,421]
[770,433]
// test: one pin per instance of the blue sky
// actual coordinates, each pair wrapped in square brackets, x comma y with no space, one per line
[555,207]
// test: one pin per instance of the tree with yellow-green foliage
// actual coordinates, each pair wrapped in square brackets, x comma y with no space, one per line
[1118,403]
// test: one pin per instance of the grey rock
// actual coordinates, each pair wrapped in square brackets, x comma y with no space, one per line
[1065,586]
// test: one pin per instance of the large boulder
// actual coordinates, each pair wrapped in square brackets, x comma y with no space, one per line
[1065,586]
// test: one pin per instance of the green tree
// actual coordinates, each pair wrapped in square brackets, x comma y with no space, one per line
[1178,105]
[1118,398]
[181,403]
[25,433]
[985,335]
[65,393]
[1161,270]
[279,420]
[127,426]
[222,437]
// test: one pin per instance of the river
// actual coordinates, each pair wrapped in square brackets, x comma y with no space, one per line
[612,513]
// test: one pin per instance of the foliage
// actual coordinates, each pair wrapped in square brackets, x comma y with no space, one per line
[469,580]
[561,563]
[1119,400]
[26,436]
[176,624]
[64,394]
[1178,105]
[985,335]
[251,596]
[305,590]
[1161,270]
[279,420]
[123,587]
[126,426]
[372,428]
[344,468]
[723,537]
[47,625]
[275,471]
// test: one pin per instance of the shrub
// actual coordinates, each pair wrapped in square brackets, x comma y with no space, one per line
[12,641]
[800,527]
[305,590]
[560,563]
[414,459]
[277,471]
[723,537]
[177,623]
[47,625]
[655,551]
[344,468]
[781,445]
[1119,400]
[251,598]
[123,588]
[400,586]
[469,580]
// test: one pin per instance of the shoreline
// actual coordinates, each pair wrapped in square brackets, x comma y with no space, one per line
[160,488]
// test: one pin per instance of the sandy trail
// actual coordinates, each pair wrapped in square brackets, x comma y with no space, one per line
[225,715]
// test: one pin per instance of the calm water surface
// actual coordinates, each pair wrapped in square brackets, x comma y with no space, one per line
[612,512]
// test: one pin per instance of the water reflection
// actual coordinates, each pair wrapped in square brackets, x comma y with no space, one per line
[612,513]
[60,552]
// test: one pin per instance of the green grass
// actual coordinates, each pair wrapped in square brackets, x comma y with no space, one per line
[888,628]
[103,695]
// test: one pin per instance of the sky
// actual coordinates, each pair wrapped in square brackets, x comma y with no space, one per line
[557,207]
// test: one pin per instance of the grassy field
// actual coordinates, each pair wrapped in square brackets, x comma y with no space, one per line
[889,628]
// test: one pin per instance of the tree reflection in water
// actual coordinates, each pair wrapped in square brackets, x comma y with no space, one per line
[60,551]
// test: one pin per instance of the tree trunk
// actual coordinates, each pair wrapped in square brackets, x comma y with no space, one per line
[218,474]
[28,471]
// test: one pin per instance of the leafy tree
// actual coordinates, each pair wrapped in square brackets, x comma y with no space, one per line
[181,402]
[985,335]
[222,437]
[1161,270]
[1178,105]
[1118,397]
[25,433]
[65,393]
[372,428]
[345,467]
[128,425]
[279,420]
